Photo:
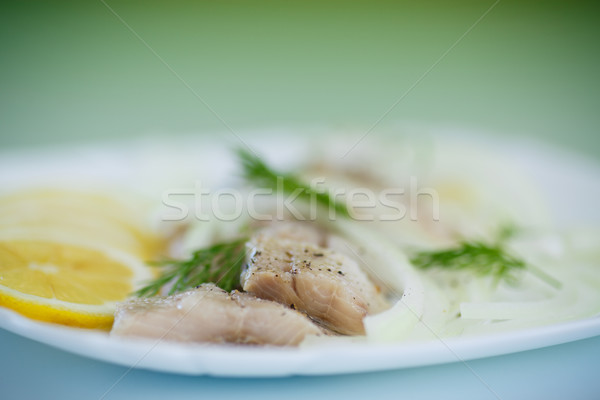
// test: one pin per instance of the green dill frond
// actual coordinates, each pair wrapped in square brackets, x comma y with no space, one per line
[481,258]
[256,172]
[221,264]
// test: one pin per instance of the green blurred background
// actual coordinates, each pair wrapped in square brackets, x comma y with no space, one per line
[72,71]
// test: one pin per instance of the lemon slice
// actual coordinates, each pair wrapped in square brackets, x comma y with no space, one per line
[73,284]
[121,222]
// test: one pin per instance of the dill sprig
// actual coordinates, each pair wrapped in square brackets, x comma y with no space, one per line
[220,263]
[481,258]
[256,172]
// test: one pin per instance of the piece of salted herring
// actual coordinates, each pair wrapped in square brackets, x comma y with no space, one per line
[328,286]
[210,314]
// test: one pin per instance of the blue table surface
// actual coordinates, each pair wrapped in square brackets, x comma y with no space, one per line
[31,370]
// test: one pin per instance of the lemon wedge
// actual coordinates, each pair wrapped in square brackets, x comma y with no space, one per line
[66,283]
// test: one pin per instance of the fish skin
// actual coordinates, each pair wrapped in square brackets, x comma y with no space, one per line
[209,314]
[326,285]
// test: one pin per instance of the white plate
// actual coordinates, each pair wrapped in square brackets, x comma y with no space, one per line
[574,202]
[241,361]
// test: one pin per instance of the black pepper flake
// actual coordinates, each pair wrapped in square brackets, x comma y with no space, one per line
[341,273]
[329,269]
[317,254]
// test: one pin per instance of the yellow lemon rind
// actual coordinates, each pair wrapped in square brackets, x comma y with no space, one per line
[50,312]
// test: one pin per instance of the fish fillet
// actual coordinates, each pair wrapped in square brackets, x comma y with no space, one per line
[326,285]
[209,314]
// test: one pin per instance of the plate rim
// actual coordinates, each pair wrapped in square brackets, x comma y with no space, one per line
[199,359]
